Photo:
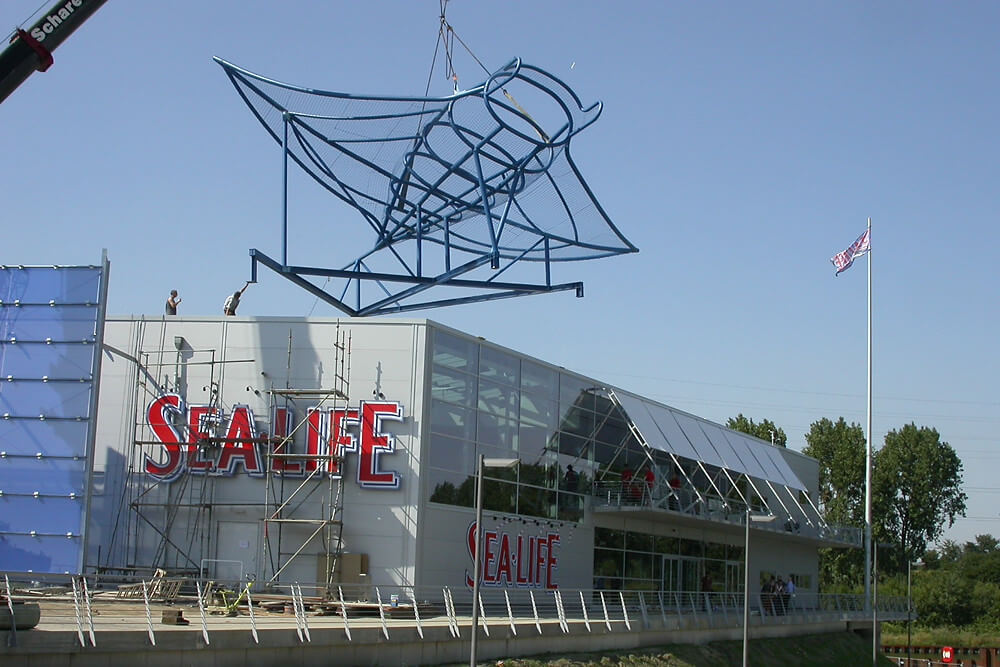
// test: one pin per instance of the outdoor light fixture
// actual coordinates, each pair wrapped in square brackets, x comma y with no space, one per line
[751,518]
[483,462]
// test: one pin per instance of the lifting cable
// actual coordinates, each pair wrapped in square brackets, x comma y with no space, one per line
[447,35]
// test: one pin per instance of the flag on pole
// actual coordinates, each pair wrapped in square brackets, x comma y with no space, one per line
[843,260]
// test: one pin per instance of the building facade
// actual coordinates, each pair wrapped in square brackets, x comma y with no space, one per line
[295,449]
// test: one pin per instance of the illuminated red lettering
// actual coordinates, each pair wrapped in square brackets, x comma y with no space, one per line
[503,561]
[522,577]
[239,447]
[551,562]
[341,441]
[198,415]
[163,429]
[282,422]
[375,443]
[315,445]
[539,563]
[471,536]
[489,577]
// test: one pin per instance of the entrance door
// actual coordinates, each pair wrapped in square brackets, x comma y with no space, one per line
[680,574]
[235,553]
[734,576]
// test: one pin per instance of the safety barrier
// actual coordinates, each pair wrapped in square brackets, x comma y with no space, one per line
[92,610]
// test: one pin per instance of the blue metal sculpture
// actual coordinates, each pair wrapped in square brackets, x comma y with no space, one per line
[458,190]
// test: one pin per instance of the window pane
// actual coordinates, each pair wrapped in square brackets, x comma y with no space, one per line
[499,496]
[448,385]
[538,411]
[453,420]
[497,432]
[574,391]
[455,353]
[499,366]
[498,399]
[608,563]
[539,380]
[450,488]
[609,538]
[536,501]
[451,454]
[638,542]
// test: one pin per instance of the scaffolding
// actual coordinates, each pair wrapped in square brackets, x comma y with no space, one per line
[179,511]
[291,523]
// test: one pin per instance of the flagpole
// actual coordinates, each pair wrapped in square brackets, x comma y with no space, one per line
[869,575]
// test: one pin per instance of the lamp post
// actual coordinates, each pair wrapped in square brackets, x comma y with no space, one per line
[751,518]
[481,464]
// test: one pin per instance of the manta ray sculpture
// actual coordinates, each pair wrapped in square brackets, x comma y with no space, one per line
[448,185]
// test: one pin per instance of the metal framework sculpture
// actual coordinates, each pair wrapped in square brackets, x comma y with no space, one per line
[458,190]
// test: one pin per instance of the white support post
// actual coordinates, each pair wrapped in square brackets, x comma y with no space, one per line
[534,610]
[510,613]
[482,616]
[604,606]
[88,610]
[77,605]
[201,608]
[343,613]
[253,619]
[381,612]
[12,637]
[298,618]
[416,613]
[628,623]
[560,611]
[149,615]
[449,606]
[583,606]
[302,607]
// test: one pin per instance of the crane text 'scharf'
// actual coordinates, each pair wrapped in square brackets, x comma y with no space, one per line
[329,436]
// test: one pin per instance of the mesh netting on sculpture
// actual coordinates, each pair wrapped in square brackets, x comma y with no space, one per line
[484,171]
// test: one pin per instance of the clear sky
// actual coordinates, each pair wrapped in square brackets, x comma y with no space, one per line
[741,146]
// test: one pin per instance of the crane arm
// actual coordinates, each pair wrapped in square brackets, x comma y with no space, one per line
[32,49]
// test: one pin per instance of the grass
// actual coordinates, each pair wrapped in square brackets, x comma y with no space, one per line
[894,634]
[827,650]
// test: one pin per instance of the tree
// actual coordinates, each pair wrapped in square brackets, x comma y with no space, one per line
[917,490]
[765,430]
[840,449]
[944,599]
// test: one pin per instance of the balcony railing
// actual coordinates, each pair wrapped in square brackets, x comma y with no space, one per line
[711,507]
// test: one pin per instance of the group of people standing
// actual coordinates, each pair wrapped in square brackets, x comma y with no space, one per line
[632,487]
[776,595]
[228,308]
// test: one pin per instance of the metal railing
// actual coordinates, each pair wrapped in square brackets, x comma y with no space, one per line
[710,507]
[92,610]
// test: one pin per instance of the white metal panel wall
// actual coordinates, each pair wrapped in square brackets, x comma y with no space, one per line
[251,355]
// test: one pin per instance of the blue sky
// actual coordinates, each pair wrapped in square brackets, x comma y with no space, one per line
[741,146]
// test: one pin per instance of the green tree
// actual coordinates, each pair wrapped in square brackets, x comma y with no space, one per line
[763,430]
[917,491]
[840,449]
[942,598]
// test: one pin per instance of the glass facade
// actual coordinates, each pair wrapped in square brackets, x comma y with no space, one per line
[627,560]
[569,436]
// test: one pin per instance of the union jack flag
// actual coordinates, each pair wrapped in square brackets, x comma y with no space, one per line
[843,260]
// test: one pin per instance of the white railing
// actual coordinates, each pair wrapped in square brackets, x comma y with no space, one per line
[94,610]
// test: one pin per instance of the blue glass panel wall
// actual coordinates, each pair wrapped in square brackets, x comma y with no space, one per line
[51,319]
